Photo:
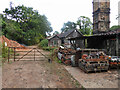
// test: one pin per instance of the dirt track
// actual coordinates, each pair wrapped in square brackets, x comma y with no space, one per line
[36,74]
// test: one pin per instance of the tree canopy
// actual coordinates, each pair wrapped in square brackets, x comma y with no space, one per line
[67,26]
[83,24]
[115,27]
[25,25]
[55,33]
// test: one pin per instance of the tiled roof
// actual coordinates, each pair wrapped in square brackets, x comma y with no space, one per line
[63,35]
[113,32]
[109,33]
[52,37]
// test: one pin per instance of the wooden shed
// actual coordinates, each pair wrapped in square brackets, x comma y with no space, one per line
[70,34]
[110,41]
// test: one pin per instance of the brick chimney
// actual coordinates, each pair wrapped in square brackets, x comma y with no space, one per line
[101,16]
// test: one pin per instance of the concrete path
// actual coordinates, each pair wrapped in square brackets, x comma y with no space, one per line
[94,80]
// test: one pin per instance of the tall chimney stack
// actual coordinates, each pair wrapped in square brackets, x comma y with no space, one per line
[101,16]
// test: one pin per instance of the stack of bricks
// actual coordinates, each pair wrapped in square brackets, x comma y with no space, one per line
[10,43]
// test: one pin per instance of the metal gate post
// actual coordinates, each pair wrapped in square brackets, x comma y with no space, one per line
[14,53]
[34,54]
[8,54]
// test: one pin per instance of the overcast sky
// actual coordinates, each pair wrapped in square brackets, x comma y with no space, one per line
[60,11]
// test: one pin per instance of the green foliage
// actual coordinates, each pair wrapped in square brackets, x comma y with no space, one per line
[56,32]
[67,26]
[43,43]
[25,25]
[60,61]
[115,27]
[84,24]
[47,48]
[4,51]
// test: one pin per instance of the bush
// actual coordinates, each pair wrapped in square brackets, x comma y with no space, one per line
[4,51]
[47,48]
[43,43]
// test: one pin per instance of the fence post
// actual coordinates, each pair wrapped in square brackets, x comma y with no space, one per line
[34,54]
[14,54]
[8,54]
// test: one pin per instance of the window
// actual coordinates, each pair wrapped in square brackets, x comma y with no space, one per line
[55,42]
[62,42]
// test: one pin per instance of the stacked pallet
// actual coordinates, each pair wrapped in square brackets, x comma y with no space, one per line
[65,54]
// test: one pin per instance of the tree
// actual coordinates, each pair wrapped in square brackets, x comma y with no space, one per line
[25,25]
[43,43]
[85,25]
[68,26]
[115,27]
[55,33]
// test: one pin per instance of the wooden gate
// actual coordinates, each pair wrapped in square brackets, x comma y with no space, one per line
[30,54]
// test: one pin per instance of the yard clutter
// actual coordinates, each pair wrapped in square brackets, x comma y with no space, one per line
[114,61]
[95,61]
[87,59]
[65,55]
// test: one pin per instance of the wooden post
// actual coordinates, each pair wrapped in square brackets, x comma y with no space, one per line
[8,54]
[34,54]
[117,46]
[108,52]
[84,43]
[14,54]
[48,42]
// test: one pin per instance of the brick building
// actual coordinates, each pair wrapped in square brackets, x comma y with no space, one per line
[54,41]
[62,39]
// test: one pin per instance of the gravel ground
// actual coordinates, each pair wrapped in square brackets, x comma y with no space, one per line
[0,77]
[37,74]
[95,80]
